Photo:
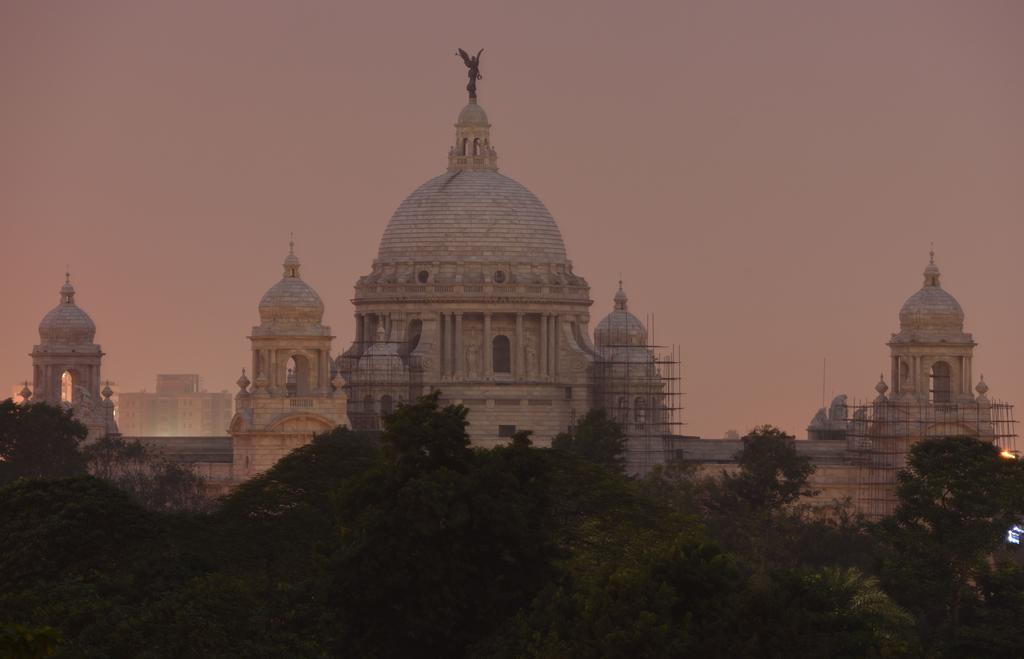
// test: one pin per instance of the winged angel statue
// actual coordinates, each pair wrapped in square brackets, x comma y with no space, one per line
[473,63]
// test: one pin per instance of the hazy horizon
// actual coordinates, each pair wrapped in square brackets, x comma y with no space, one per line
[767,178]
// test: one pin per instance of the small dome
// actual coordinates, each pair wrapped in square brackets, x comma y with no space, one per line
[381,358]
[291,300]
[473,115]
[931,308]
[620,327]
[67,323]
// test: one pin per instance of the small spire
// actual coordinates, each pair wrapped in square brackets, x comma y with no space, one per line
[291,262]
[67,291]
[931,273]
[620,298]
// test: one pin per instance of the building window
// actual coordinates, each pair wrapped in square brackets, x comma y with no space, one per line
[941,390]
[506,431]
[386,405]
[67,387]
[423,276]
[502,354]
[640,413]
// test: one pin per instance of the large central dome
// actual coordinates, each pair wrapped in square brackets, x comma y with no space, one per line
[471,212]
[472,215]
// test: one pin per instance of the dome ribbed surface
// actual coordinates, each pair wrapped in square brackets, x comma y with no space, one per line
[473,114]
[620,328]
[472,216]
[291,300]
[931,307]
[67,324]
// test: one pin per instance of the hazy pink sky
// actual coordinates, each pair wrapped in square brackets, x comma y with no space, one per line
[766,176]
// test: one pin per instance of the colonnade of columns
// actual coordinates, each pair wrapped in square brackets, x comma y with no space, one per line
[919,369]
[271,363]
[451,352]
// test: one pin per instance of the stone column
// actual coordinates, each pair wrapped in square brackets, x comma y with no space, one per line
[554,344]
[485,348]
[443,335]
[543,345]
[360,336]
[439,344]
[520,370]
[459,358]
[367,331]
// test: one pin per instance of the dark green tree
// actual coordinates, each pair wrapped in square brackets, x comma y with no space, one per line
[39,441]
[957,498]
[597,439]
[771,473]
[420,436]
[155,481]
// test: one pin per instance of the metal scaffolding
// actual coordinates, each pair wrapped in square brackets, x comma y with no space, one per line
[378,376]
[639,385]
[879,436]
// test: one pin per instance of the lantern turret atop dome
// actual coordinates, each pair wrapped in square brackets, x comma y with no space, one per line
[291,305]
[472,149]
[932,312]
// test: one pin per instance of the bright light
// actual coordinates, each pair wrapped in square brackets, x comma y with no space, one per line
[1013,535]
[1007,455]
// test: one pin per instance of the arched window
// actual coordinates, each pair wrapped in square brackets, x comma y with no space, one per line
[465,146]
[941,390]
[501,353]
[476,146]
[67,387]
[297,376]
[386,405]
[623,414]
[640,413]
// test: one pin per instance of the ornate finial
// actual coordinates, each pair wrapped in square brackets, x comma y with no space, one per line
[981,387]
[25,393]
[881,387]
[931,273]
[243,382]
[620,298]
[473,63]
[107,391]
[291,262]
[67,291]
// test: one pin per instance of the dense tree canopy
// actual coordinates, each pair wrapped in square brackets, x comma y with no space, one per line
[39,441]
[596,438]
[414,544]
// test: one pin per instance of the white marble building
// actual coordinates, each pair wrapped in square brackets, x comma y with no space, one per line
[66,366]
[292,396]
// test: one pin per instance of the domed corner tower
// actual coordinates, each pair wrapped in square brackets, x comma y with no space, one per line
[66,365]
[931,396]
[472,293]
[629,384]
[293,396]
